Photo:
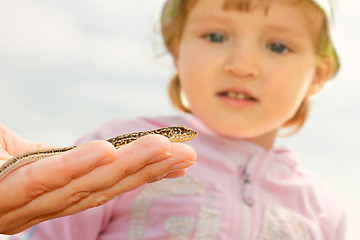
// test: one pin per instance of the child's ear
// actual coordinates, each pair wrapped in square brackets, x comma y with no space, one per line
[322,75]
[176,55]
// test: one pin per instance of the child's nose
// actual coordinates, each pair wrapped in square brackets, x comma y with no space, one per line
[242,62]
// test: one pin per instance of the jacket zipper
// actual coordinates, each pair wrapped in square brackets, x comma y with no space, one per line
[247,201]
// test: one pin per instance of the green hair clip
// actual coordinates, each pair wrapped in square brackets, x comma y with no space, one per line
[171,10]
[327,6]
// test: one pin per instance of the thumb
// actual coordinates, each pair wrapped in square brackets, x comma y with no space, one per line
[13,144]
[4,156]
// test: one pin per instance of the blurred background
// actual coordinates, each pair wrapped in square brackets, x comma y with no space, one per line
[67,67]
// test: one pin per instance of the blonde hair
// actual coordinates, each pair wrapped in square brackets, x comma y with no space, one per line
[173,20]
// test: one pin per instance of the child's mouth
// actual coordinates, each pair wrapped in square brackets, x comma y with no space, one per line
[237,99]
[237,95]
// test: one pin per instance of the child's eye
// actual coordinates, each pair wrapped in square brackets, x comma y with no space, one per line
[215,37]
[278,47]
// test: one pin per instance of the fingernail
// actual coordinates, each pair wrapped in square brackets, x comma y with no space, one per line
[176,174]
[181,165]
[160,157]
[157,179]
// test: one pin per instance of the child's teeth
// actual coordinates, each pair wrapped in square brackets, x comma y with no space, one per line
[232,94]
[237,95]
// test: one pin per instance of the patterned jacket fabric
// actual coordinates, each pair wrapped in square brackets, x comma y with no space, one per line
[236,190]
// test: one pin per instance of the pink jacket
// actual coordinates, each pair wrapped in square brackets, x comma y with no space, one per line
[237,190]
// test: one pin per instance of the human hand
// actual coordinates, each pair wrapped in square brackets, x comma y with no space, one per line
[87,176]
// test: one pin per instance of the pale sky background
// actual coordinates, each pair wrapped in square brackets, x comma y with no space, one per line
[66,67]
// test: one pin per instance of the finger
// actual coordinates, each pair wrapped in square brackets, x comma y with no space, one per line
[130,158]
[47,174]
[183,157]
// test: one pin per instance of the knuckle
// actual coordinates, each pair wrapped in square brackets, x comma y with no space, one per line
[98,200]
[66,169]
[123,173]
[35,187]
[149,178]
[77,196]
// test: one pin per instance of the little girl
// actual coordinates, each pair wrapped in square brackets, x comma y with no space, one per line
[245,70]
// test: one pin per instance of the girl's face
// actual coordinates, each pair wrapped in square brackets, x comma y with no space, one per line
[245,73]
